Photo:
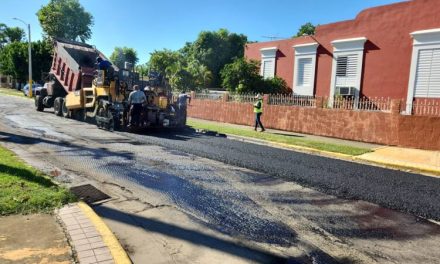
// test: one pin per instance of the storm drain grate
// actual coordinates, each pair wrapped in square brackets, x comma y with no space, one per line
[89,194]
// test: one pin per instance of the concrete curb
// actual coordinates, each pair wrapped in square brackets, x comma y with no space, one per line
[379,162]
[118,253]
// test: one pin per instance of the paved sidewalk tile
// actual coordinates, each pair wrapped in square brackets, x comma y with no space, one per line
[86,240]
[427,160]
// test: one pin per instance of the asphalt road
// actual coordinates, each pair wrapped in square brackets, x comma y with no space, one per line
[179,195]
[407,192]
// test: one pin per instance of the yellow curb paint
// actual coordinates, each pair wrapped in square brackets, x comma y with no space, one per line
[334,154]
[118,253]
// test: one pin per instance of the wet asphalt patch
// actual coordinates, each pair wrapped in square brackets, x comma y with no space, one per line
[407,192]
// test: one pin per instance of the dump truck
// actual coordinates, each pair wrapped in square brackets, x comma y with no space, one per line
[76,88]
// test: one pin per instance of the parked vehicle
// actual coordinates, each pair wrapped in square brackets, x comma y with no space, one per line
[35,87]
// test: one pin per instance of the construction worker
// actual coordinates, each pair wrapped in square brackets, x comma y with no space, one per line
[258,110]
[106,66]
[103,65]
[136,99]
[181,103]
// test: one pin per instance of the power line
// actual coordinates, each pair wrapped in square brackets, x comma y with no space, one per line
[272,37]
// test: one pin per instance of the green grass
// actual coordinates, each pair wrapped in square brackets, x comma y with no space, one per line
[14,92]
[295,141]
[26,190]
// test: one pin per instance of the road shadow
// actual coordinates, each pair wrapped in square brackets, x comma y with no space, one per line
[195,237]
[27,175]
[286,134]
[180,134]
[66,147]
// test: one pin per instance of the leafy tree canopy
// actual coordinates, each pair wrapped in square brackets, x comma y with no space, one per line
[41,59]
[10,34]
[14,60]
[65,19]
[122,55]
[242,76]
[160,60]
[182,70]
[215,49]
[142,69]
[306,29]
[201,60]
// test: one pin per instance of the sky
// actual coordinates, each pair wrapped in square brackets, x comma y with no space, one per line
[147,25]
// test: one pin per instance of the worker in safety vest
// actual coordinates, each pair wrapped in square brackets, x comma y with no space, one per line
[258,110]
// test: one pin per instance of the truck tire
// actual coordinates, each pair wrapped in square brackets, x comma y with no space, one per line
[66,112]
[39,103]
[57,106]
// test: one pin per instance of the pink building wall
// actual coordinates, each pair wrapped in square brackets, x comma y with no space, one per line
[387,54]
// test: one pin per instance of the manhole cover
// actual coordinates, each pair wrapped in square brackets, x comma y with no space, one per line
[89,194]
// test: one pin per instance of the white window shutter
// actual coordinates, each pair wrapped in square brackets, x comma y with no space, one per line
[304,69]
[428,74]
[346,71]
[304,72]
[268,69]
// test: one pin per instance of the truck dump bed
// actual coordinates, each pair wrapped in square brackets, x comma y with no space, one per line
[73,64]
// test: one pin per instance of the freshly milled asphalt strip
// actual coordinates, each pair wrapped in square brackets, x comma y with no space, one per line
[407,192]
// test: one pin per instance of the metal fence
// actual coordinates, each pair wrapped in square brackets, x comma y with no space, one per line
[375,104]
[425,107]
[242,98]
[379,104]
[292,100]
[208,96]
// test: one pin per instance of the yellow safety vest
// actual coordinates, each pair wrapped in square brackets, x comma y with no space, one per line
[260,108]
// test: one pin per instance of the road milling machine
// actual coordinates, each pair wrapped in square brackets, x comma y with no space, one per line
[75,88]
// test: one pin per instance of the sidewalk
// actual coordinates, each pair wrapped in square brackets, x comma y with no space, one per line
[425,161]
[90,238]
[74,234]
[413,159]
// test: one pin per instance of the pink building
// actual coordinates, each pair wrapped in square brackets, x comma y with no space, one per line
[388,51]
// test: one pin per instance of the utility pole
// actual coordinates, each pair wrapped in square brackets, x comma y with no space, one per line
[30,54]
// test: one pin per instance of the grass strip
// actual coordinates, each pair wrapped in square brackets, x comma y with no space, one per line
[24,189]
[294,141]
[14,92]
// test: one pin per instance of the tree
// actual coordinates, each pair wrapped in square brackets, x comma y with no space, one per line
[243,76]
[122,55]
[179,77]
[10,34]
[41,59]
[160,60]
[142,69]
[65,19]
[14,34]
[13,60]
[215,49]
[201,60]
[200,73]
[306,29]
